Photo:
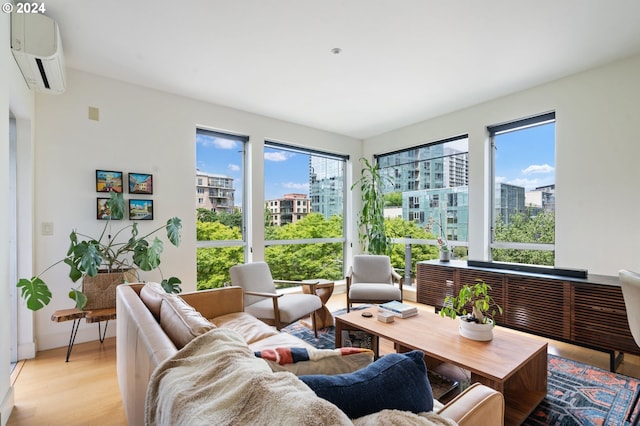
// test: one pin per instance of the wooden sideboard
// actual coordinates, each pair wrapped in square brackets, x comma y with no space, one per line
[587,312]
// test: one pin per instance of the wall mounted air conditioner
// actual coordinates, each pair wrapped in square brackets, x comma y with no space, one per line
[36,45]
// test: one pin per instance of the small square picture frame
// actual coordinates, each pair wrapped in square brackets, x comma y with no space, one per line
[108,180]
[140,183]
[140,209]
[102,210]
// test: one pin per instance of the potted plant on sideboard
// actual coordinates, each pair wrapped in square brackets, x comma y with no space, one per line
[477,324]
[106,261]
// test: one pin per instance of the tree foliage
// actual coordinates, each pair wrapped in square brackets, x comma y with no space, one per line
[400,228]
[393,199]
[526,227]
[306,261]
[213,263]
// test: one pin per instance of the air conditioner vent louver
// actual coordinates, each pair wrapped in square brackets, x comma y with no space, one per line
[37,48]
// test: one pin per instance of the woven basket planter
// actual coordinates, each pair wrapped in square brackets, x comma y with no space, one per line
[101,289]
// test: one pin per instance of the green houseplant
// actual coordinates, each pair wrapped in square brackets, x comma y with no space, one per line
[87,256]
[371,227]
[476,309]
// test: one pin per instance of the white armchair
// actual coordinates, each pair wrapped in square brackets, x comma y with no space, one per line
[262,301]
[372,279]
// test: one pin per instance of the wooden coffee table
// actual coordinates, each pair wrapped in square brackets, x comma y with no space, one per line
[512,363]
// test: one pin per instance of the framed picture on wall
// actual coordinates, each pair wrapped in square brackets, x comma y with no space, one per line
[141,209]
[108,180]
[140,183]
[102,210]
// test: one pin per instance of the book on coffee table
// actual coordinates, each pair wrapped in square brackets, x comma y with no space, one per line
[399,309]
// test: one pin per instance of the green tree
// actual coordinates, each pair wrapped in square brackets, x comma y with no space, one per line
[206,215]
[400,228]
[393,199]
[213,263]
[526,227]
[306,261]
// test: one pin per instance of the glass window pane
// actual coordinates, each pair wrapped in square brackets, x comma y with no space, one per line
[524,196]
[304,200]
[219,214]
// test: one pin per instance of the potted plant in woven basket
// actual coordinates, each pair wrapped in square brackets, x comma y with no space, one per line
[478,323]
[106,261]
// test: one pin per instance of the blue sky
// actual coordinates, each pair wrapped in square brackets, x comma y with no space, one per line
[527,157]
[285,171]
[524,158]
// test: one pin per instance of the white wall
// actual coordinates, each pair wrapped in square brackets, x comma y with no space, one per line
[140,130]
[17,98]
[6,392]
[597,152]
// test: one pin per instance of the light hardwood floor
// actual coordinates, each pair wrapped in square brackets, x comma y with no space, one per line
[84,391]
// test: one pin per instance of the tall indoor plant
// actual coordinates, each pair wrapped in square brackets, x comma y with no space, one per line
[371,227]
[87,256]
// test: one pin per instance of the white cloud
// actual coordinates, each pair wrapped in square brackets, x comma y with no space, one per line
[538,168]
[277,156]
[501,179]
[296,186]
[233,167]
[527,184]
[220,143]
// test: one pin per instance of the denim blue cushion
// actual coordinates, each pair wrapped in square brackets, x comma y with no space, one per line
[395,381]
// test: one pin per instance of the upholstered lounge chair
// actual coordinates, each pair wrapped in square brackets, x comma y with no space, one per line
[262,301]
[372,279]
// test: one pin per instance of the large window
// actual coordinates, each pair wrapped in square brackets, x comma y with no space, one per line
[523,223]
[427,198]
[304,210]
[219,191]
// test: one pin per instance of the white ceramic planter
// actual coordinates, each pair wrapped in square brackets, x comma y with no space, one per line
[475,331]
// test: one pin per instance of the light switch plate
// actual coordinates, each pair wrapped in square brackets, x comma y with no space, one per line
[47,228]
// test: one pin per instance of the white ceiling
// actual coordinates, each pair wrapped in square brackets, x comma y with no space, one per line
[402,61]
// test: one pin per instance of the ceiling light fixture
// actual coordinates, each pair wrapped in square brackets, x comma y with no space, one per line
[336,51]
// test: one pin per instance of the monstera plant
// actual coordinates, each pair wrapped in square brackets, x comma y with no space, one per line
[123,250]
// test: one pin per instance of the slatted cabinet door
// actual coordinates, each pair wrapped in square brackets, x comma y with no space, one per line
[539,306]
[434,284]
[600,318]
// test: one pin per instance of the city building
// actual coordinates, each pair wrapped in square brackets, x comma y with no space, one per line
[288,209]
[542,198]
[214,192]
[326,185]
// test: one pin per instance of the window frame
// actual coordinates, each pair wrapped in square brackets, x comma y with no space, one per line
[310,151]
[244,140]
[496,130]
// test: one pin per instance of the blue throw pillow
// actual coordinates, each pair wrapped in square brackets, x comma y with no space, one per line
[395,381]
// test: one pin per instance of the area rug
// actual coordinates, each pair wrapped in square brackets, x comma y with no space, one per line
[578,394]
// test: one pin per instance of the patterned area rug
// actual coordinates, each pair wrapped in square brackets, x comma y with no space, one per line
[578,394]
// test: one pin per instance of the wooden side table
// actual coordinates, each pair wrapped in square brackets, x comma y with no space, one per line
[324,290]
[75,315]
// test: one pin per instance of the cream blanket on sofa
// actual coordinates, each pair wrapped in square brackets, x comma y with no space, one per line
[216,380]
